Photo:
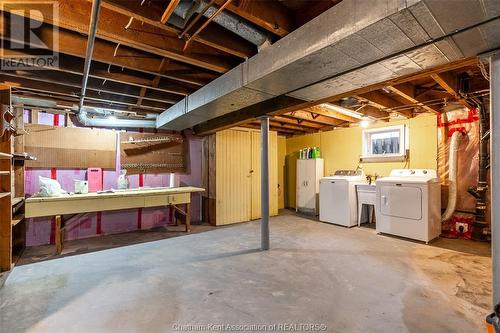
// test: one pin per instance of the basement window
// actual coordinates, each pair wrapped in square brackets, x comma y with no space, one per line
[384,144]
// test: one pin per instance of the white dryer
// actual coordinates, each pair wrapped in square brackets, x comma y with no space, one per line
[337,197]
[409,204]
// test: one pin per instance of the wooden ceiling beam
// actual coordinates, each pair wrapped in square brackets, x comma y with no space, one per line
[202,27]
[282,132]
[269,15]
[75,66]
[103,99]
[279,129]
[74,14]
[71,91]
[70,80]
[305,120]
[285,125]
[213,36]
[319,119]
[69,101]
[448,81]
[405,78]
[382,101]
[371,111]
[332,114]
[169,11]
[73,44]
[407,91]
[297,122]
[156,80]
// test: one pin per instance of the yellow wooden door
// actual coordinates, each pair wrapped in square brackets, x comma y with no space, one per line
[233,179]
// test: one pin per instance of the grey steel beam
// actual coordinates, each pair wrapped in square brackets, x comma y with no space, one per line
[264,182]
[495,171]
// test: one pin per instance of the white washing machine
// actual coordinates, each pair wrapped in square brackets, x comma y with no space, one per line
[337,197]
[409,204]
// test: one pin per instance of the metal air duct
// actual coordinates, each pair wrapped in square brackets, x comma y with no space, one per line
[187,8]
[345,48]
[83,115]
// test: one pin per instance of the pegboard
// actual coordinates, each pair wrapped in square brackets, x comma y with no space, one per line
[152,153]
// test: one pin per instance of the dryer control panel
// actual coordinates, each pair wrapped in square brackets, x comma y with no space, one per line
[349,173]
[427,173]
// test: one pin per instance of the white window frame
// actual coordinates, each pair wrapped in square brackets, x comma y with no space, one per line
[367,156]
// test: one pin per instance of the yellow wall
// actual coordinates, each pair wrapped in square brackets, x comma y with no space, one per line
[341,149]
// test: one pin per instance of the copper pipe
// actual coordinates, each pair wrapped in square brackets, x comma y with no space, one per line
[197,18]
[204,25]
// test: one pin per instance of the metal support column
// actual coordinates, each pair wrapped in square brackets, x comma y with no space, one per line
[495,171]
[264,182]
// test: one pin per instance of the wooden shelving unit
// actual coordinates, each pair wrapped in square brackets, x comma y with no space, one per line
[5,184]
[4,156]
[17,200]
[12,157]
[19,157]
[16,219]
[23,157]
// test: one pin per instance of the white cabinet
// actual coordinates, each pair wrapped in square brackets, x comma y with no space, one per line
[309,172]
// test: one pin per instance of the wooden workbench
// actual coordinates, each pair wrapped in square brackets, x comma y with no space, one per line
[106,201]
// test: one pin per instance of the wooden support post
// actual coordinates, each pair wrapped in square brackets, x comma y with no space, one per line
[188,218]
[34,116]
[59,235]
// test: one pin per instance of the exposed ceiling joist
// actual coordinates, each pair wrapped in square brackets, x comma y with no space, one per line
[297,122]
[74,65]
[103,99]
[371,111]
[448,81]
[69,80]
[169,11]
[318,119]
[280,130]
[269,15]
[204,25]
[72,43]
[331,114]
[156,80]
[406,78]
[407,91]
[74,91]
[285,125]
[382,101]
[213,36]
[73,15]
[33,99]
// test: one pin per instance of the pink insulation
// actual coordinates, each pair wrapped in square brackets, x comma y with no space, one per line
[40,230]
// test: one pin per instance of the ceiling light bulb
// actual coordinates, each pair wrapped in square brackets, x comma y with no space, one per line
[365,122]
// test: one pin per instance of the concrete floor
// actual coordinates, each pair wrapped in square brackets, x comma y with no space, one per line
[350,280]
[92,244]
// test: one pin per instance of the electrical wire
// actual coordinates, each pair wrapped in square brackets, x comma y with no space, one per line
[484,72]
